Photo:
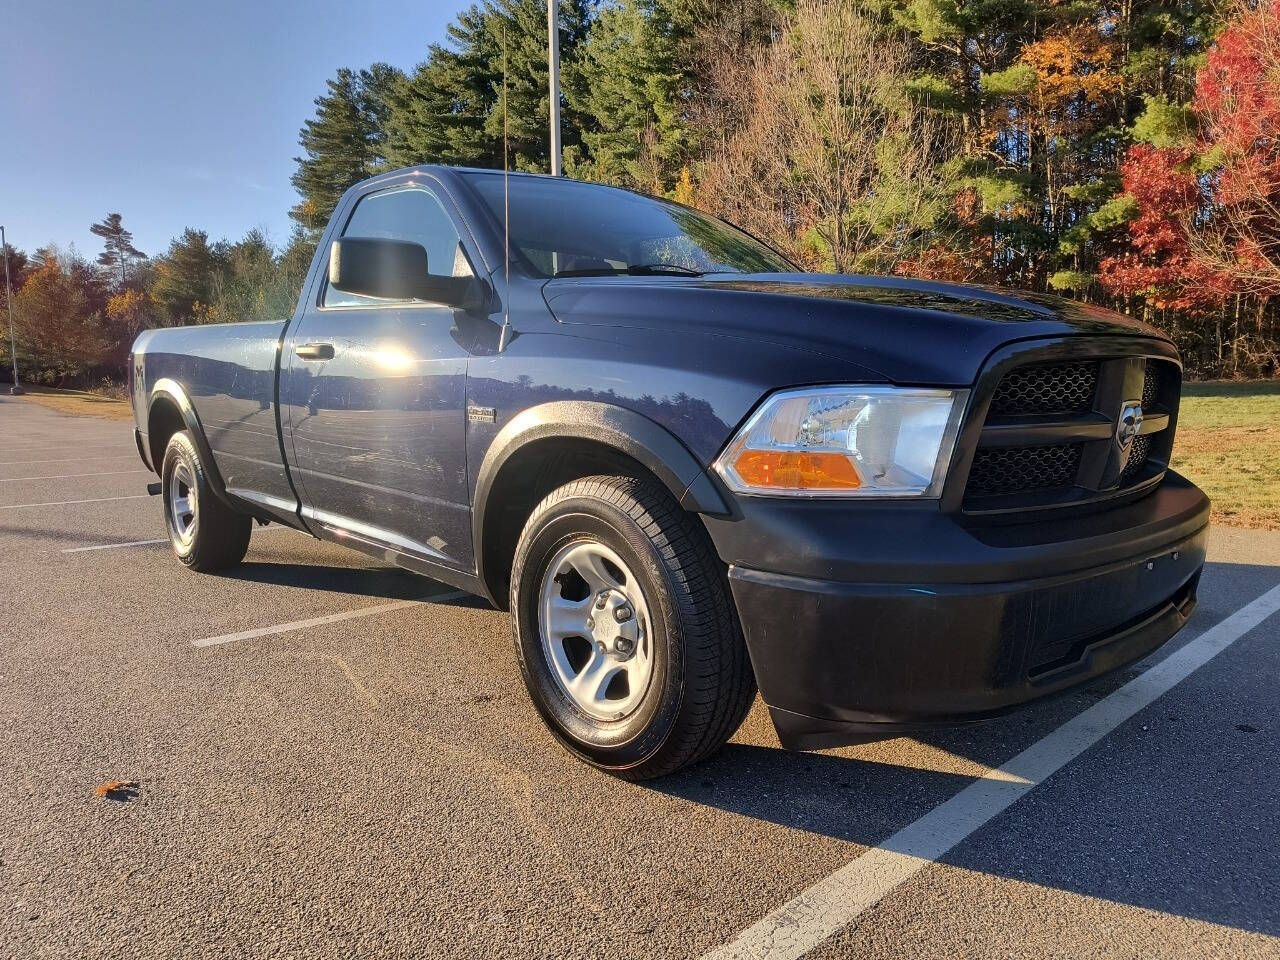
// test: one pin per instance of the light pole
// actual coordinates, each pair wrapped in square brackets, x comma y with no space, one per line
[553,60]
[16,389]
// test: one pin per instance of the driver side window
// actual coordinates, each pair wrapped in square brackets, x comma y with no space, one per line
[412,214]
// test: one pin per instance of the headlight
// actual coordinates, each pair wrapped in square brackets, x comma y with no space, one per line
[846,442]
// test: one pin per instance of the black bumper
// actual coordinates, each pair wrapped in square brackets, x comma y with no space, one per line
[871,620]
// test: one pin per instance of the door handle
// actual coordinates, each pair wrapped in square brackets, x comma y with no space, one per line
[314,351]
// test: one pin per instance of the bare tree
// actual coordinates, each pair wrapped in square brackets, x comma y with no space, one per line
[830,157]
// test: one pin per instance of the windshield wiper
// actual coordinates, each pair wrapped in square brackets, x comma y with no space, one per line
[635,270]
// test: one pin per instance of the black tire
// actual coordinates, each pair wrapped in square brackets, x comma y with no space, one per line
[216,536]
[702,683]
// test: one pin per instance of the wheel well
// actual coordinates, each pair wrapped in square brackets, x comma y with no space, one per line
[163,421]
[532,473]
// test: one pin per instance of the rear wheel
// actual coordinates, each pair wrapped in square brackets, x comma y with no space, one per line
[206,534]
[627,637]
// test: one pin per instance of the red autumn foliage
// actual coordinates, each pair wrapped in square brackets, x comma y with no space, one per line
[1160,265]
[1238,101]
[1204,233]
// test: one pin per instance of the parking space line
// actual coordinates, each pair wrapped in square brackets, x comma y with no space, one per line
[321,621]
[62,503]
[68,476]
[836,901]
[119,456]
[30,447]
[113,546]
[145,543]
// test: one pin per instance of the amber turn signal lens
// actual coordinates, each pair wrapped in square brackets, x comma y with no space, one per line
[796,471]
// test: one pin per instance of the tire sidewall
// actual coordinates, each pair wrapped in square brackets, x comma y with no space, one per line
[615,745]
[181,450]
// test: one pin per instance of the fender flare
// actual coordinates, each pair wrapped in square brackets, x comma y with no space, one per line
[647,442]
[174,392]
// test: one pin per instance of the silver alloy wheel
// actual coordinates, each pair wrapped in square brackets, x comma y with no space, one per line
[182,502]
[595,630]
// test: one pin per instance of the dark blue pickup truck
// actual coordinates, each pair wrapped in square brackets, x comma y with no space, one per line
[688,469]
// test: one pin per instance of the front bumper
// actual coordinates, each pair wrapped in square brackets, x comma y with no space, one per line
[871,620]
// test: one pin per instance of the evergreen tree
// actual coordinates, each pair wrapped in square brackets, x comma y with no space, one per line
[184,278]
[117,242]
[450,109]
[243,282]
[440,114]
[345,142]
[635,91]
[528,79]
[291,270]
[18,264]
[661,78]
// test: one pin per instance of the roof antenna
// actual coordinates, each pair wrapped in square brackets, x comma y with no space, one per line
[505,336]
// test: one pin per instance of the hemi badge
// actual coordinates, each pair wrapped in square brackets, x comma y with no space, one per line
[482,414]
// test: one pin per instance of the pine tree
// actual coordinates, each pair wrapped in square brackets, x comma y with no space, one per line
[439,114]
[118,248]
[636,96]
[660,80]
[450,109]
[528,80]
[184,277]
[346,140]
[19,262]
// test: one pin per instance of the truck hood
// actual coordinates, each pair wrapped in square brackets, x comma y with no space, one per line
[901,330]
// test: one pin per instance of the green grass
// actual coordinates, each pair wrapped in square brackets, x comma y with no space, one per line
[1229,443]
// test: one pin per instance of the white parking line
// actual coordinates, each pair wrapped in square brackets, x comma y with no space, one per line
[145,543]
[68,476]
[835,902]
[61,503]
[121,456]
[113,546]
[320,621]
[71,442]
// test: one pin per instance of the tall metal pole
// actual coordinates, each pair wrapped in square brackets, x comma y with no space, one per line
[16,390]
[553,58]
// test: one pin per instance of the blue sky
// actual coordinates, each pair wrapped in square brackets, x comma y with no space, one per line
[175,113]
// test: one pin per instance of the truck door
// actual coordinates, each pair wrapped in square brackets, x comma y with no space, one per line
[373,397]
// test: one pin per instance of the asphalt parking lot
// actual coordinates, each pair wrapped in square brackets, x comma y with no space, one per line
[325,766]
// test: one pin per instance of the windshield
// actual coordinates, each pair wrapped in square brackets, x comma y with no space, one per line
[569,228]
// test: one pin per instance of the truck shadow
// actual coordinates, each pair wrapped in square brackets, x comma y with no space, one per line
[1166,812]
[391,583]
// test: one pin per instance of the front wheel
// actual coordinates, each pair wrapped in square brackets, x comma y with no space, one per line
[206,534]
[627,637]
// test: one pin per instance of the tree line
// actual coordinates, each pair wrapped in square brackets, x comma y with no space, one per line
[1123,154]
[75,319]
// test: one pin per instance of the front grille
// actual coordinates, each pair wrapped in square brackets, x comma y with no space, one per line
[1139,450]
[1049,436]
[999,471]
[1150,385]
[1043,388]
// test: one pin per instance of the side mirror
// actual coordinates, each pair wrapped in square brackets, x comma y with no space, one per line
[392,270]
